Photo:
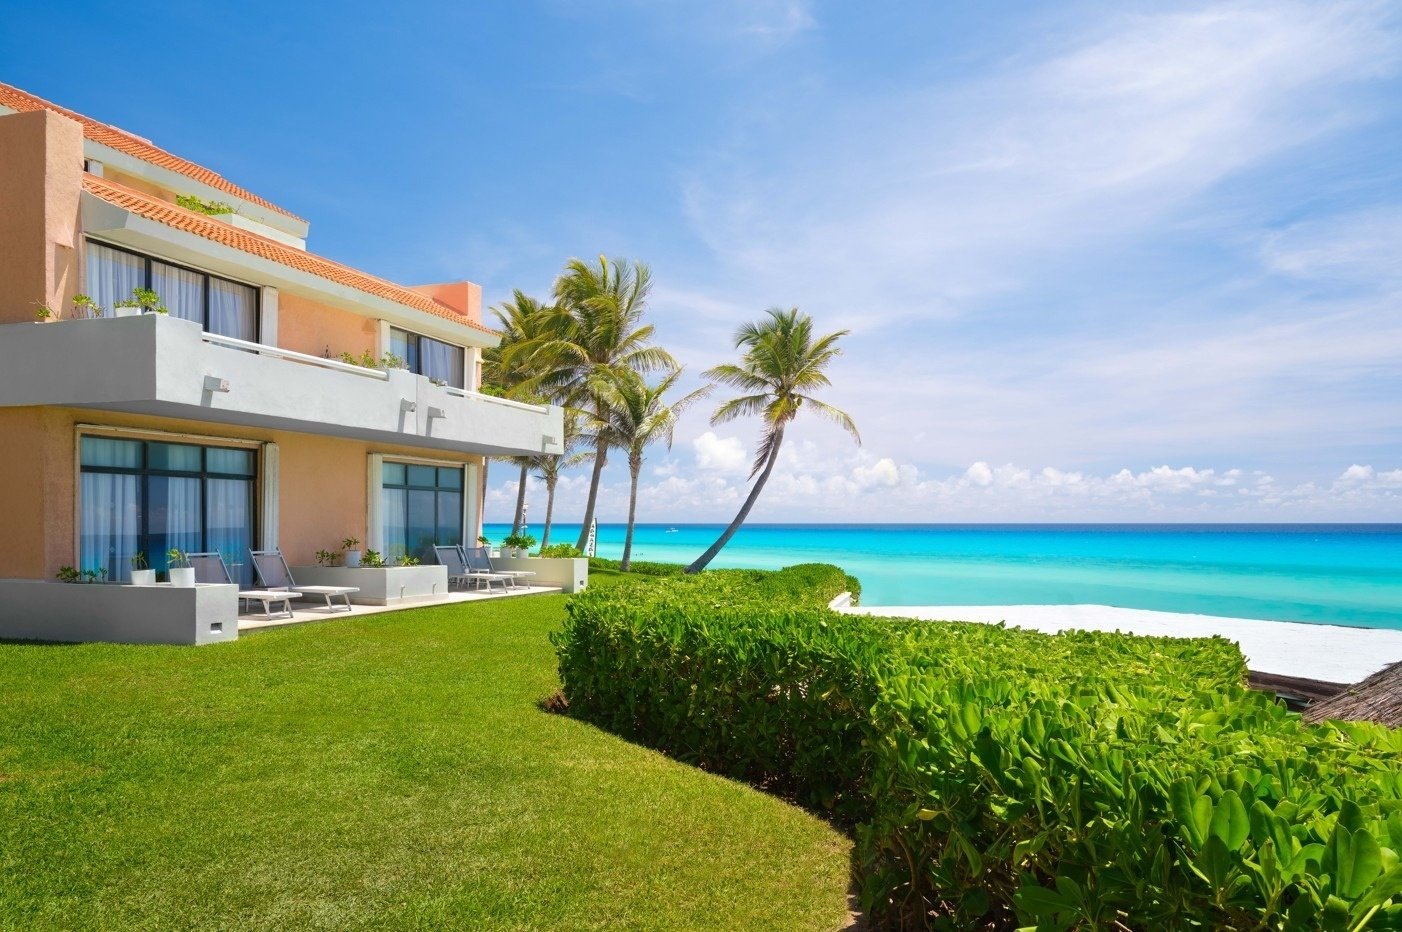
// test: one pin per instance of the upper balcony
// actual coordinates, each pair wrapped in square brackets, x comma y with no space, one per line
[158,365]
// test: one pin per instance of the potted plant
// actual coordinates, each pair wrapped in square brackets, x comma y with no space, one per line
[141,572]
[372,559]
[142,301]
[326,558]
[518,544]
[351,545]
[68,574]
[484,541]
[182,574]
[86,307]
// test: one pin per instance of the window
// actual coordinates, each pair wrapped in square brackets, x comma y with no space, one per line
[148,497]
[216,304]
[421,506]
[427,356]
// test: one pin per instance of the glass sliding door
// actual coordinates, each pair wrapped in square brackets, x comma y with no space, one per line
[113,274]
[110,524]
[421,506]
[428,357]
[151,497]
[218,305]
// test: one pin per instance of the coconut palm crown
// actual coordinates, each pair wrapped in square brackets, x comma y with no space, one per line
[636,416]
[781,365]
[595,334]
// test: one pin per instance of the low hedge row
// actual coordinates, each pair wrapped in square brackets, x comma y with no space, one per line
[998,777]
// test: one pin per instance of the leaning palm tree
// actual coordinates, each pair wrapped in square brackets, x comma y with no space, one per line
[523,320]
[637,415]
[595,334]
[548,468]
[782,364]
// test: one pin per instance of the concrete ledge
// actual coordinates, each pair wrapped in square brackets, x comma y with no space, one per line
[568,573]
[34,609]
[379,585]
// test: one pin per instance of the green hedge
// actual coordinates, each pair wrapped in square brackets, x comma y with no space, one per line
[1003,777]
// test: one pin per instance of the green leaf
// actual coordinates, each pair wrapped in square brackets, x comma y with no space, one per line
[1357,861]
[1229,820]
[1040,902]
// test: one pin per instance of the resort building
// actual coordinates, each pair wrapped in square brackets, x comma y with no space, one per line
[229,422]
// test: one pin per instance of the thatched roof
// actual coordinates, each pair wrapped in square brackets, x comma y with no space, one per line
[1376,699]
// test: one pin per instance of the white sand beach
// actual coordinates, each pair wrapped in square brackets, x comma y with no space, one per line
[1332,653]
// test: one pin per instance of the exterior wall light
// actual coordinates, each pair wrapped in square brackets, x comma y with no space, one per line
[212,383]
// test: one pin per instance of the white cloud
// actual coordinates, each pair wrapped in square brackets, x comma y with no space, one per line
[724,455]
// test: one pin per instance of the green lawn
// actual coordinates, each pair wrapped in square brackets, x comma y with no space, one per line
[390,771]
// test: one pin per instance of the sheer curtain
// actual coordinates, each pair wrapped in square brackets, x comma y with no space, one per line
[229,524]
[392,515]
[173,517]
[112,275]
[439,360]
[232,310]
[110,523]
[181,291]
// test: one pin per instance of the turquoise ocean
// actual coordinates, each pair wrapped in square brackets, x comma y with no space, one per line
[1325,573]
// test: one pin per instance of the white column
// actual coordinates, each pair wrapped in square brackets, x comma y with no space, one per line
[384,340]
[374,520]
[267,316]
[471,497]
[268,506]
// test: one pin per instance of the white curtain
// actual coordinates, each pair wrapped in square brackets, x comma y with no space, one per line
[229,524]
[174,516]
[392,514]
[233,310]
[112,275]
[109,523]
[439,360]
[181,291]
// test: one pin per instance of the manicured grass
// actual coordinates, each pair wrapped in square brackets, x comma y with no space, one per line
[390,772]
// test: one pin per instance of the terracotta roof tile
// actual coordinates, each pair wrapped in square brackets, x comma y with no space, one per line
[179,218]
[135,146]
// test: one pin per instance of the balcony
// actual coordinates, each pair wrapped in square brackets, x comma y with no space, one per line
[157,365]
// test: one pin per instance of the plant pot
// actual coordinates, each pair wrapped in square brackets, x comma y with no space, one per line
[126,312]
[143,577]
[352,558]
[182,577]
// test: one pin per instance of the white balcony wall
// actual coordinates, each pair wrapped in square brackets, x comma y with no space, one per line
[157,365]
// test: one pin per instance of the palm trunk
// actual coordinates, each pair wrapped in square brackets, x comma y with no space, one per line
[702,561]
[600,456]
[520,500]
[549,511]
[632,513]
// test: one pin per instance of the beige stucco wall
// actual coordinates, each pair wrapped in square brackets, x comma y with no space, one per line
[41,178]
[322,483]
[318,330]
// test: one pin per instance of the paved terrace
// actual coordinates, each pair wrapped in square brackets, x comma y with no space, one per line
[316,610]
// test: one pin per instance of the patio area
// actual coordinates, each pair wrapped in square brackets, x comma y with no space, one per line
[308,610]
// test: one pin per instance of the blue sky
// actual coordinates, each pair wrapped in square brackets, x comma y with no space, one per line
[1120,261]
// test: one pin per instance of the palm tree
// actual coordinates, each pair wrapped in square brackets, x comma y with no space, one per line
[595,333]
[781,365]
[637,415]
[523,320]
[548,468]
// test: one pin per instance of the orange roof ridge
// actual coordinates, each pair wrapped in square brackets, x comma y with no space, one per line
[189,221]
[135,146]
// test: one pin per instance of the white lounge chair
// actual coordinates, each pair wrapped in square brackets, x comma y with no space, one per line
[273,573]
[450,555]
[479,559]
[210,568]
